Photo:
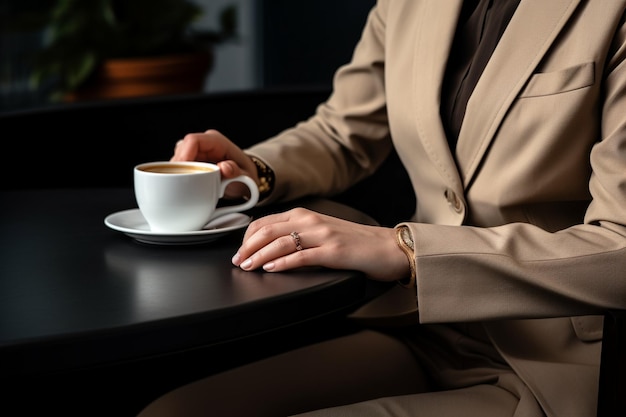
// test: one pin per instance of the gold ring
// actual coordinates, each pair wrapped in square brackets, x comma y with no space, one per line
[296,240]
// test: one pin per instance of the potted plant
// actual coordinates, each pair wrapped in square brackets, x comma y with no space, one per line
[123,48]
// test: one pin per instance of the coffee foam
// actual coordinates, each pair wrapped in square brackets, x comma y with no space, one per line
[176,169]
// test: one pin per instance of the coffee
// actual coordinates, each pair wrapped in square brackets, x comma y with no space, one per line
[172,168]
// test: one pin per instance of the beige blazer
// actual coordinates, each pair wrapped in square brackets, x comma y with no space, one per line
[526,222]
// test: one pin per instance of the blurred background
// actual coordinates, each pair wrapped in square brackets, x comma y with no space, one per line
[59,51]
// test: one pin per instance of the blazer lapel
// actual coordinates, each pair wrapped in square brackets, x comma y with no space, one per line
[519,51]
[437,25]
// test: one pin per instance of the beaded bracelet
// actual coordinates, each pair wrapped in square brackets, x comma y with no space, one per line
[266,177]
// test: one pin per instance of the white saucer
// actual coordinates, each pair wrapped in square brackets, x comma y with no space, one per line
[132,223]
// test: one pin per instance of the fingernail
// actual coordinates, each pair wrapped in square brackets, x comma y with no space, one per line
[269,266]
[246,264]
[236,259]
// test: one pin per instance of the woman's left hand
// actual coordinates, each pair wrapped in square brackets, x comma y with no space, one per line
[324,241]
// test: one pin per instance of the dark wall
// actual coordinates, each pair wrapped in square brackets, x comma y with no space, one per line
[304,42]
[98,143]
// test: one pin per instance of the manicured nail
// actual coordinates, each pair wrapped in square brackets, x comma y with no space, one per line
[236,259]
[246,264]
[269,266]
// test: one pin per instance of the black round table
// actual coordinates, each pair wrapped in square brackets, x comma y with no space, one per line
[80,302]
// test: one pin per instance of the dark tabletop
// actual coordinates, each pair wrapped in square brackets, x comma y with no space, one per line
[74,293]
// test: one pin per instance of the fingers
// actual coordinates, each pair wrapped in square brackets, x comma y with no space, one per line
[178,152]
[210,146]
[229,169]
[279,254]
[282,241]
[296,255]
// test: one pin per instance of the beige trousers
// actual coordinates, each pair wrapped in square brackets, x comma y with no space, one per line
[365,374]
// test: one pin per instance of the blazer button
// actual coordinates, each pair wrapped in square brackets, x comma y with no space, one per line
[454,201]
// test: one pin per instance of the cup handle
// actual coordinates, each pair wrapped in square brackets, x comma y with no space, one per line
[254,196]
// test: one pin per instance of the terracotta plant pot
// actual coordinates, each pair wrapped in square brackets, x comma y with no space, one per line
[150,76]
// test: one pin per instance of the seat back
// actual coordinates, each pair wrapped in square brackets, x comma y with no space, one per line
[96,144]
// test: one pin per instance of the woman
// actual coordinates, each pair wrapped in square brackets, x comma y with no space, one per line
[510,119]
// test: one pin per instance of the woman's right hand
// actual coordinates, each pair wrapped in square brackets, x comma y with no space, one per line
[212,146]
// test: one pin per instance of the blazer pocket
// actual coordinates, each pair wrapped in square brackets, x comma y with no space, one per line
[548,83]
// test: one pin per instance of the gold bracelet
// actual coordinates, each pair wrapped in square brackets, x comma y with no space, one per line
[266,177]
[405,241]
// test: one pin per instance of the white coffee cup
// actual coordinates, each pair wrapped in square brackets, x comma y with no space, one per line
[176,197]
